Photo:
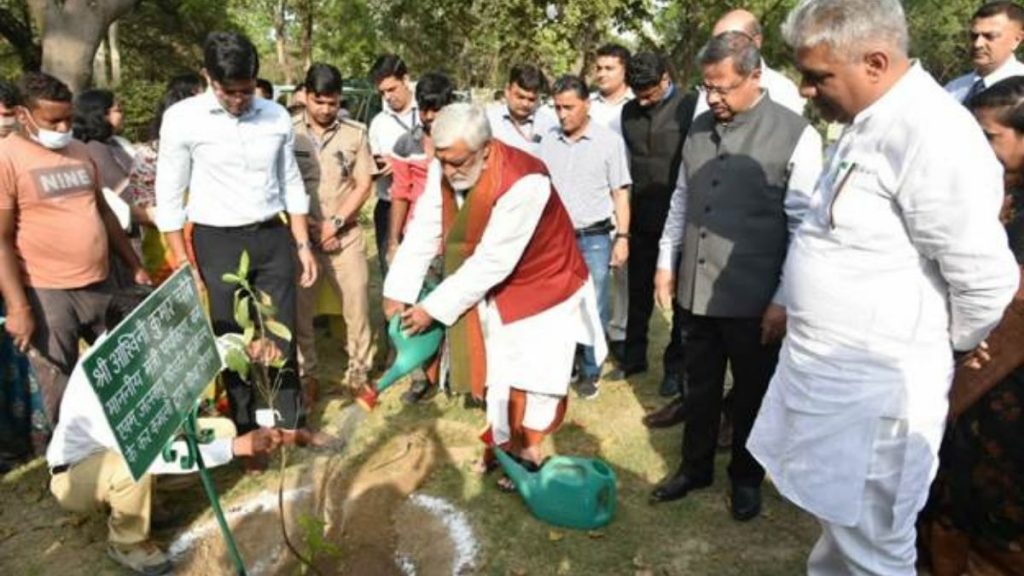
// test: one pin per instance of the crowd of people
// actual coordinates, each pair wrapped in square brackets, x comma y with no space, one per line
[847,292]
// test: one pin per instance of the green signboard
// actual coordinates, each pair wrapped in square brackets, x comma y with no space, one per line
[151,369]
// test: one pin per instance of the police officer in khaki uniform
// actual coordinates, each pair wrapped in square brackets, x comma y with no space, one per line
[346,169]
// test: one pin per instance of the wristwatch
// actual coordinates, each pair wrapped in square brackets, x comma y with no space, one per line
[338,223]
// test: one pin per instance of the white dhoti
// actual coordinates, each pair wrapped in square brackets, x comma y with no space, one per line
[875,545]
[535,355]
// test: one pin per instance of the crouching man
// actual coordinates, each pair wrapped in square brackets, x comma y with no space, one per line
[88,472]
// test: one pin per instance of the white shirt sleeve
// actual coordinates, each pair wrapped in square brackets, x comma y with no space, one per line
[173,171]
[512,223]
[949,202]
[216,453]
[374,135]
[420,244]
[296,201]
[671,243]
[805,168]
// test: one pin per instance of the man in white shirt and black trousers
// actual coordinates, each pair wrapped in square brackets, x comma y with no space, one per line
[234,155]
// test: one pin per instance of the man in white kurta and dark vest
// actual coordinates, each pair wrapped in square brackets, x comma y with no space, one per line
[781,89]
[749,166]
[900,263]
[516,296]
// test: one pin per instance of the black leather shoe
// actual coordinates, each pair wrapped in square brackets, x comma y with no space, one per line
[671,385]
[676,487]
[745,502]
[668,415]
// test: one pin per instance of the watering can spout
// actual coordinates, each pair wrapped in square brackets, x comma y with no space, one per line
[515,471]
[412,351]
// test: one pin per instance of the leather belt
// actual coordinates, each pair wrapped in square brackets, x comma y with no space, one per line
[59,469]
[602,227]
[274,222]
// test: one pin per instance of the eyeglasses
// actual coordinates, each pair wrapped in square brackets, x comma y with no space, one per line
[723,90]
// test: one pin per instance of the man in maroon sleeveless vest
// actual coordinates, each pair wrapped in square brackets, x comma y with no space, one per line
[516,295]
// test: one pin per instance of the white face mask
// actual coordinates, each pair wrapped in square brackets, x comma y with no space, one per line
[50,139]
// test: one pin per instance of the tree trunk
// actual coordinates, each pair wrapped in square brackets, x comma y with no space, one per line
[100,67]
[115,55]
[16,27]
[307,34]
[71,32]
[281,41]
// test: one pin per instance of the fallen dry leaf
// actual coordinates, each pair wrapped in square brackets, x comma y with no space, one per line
[595,534]
[555,535]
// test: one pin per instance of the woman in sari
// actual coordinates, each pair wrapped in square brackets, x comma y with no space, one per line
[974,522]
[140,193]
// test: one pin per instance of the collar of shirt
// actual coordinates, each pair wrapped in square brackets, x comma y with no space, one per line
[626,97]
[1012,67]
[743,117]
[413,114]
[586,135]
[892,97]
[508,116]
[215,107]
[320,140]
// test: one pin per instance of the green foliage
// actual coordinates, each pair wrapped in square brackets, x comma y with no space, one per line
[138,99]
[254,312]
[163,38]
[314,531]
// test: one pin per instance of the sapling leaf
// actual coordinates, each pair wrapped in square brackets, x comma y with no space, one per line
[242,317]
[238,362]
[279,330]
[243,265]
[230,278]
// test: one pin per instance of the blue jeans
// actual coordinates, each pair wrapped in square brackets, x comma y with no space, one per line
[597,253]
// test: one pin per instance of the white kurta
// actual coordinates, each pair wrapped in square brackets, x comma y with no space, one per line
[534,354]
[901,255]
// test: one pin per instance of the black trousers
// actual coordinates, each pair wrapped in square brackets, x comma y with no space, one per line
[272,269]
[711,344]
[643,263]
[381,227]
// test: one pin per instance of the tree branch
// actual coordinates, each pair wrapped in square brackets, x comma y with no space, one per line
[18,33]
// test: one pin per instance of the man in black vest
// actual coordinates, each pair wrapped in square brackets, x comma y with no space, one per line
[749,167]
[654,126]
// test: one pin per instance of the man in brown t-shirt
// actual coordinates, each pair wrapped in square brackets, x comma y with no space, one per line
[55,233]
[346,170]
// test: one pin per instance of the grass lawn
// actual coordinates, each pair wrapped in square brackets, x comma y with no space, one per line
[359,495]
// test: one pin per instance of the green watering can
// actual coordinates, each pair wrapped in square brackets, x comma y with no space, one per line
[568,491]
[411,353]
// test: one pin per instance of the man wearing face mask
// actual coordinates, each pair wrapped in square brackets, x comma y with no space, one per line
[516,296]
[8,114]
[55,234]
[997,29]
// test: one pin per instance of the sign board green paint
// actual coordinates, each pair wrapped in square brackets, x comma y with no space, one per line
[150,370]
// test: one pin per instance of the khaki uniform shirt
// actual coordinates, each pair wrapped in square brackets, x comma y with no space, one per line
[343,154]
